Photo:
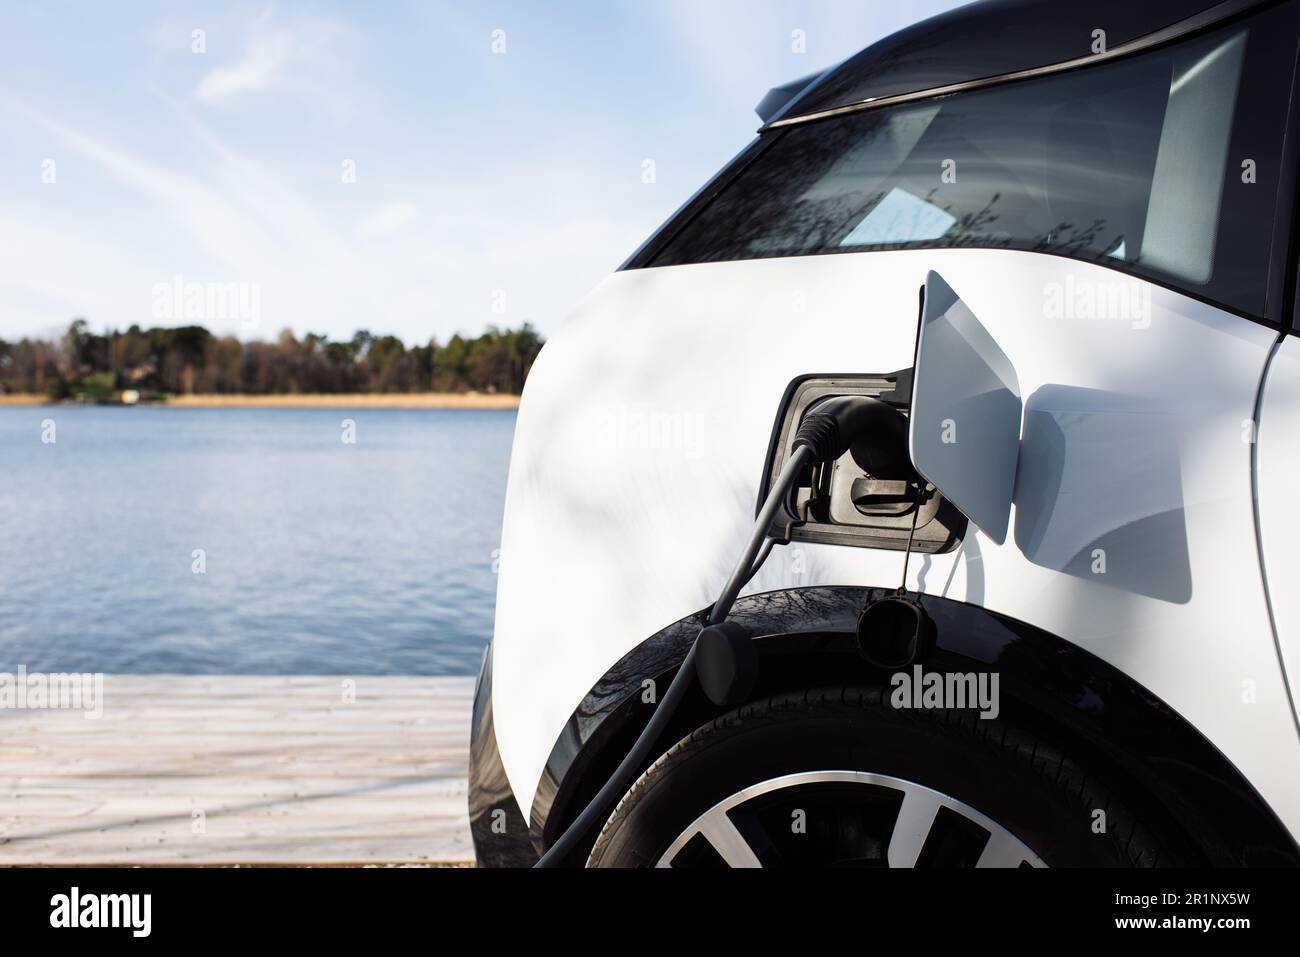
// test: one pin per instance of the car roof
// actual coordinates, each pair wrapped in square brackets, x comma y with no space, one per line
[993,38]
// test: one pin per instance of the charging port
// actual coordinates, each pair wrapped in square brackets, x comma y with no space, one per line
[844,503]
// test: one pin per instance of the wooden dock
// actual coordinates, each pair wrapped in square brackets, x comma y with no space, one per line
[241,770]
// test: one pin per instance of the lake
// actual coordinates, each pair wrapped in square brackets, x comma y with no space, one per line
[249,541]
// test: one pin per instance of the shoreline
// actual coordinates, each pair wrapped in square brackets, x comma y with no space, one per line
[363,400]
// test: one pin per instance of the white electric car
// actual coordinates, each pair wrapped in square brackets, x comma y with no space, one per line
[1059,240]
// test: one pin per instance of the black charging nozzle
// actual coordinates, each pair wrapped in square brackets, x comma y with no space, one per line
[722,658]
[874,432]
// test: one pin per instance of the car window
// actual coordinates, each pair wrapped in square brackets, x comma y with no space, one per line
[1162,164]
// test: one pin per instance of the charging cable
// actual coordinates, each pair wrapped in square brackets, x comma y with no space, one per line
[824,435]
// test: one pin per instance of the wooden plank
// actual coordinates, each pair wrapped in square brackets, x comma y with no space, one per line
[241,769]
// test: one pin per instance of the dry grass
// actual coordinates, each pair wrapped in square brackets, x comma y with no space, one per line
[417,400]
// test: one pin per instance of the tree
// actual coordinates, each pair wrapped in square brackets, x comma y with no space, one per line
[190,358]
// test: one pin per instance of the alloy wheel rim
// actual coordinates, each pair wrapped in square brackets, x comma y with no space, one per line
[736,836]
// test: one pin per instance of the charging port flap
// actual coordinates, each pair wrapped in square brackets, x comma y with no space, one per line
[965,382]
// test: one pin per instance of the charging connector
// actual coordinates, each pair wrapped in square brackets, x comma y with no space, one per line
[874,432]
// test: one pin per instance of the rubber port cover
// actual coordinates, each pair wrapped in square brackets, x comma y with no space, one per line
[726,664]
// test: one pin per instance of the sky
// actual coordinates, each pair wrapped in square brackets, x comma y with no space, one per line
[412,168]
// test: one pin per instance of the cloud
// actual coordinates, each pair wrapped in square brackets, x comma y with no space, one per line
[204,213]
[324,256]
[386,220]
[261,66]
[298,57]
[229,222]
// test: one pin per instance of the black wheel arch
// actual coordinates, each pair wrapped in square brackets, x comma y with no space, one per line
[805,637]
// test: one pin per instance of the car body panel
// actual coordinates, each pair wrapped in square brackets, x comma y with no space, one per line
[1277,464]
[645,423]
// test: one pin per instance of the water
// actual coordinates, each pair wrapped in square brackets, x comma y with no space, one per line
[322,557]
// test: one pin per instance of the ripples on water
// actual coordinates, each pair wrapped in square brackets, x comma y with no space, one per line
[322,557]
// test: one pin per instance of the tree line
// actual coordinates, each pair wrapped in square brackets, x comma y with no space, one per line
[190,359]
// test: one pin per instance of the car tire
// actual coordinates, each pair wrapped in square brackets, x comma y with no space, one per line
[822,778]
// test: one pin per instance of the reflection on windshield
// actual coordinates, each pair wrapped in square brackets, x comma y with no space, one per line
[900,218]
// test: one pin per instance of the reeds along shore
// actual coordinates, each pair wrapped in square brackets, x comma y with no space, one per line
[370,400]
